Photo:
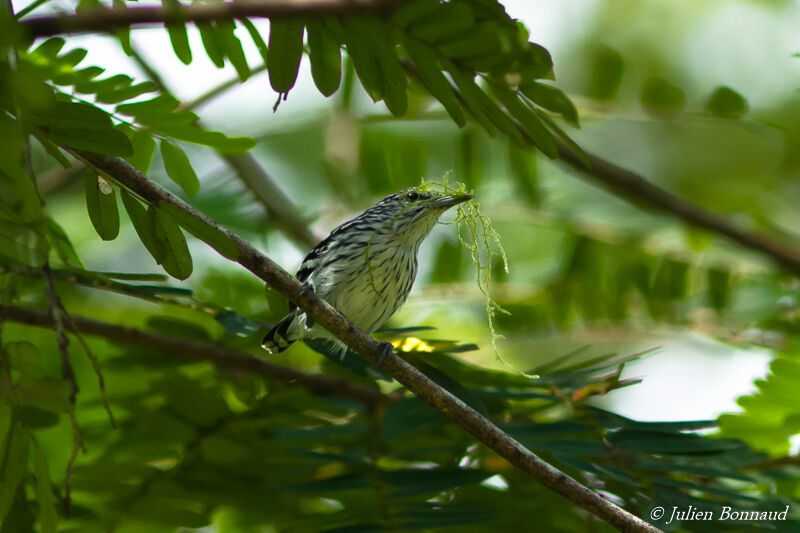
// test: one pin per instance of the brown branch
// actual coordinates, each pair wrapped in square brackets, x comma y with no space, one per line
[223,358]
[360,342]
[637,189]
[103,19]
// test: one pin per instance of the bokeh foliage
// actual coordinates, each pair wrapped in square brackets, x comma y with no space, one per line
[191,444]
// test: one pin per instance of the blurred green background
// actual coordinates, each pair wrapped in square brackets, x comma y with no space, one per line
[699,97]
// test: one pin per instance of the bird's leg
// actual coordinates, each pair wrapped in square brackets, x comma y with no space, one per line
[306,290]
[386,350]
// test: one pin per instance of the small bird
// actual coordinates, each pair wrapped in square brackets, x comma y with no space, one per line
[366,266]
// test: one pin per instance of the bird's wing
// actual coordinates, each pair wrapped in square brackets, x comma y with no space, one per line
[312,261]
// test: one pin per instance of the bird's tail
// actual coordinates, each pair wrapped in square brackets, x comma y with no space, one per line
[279,337]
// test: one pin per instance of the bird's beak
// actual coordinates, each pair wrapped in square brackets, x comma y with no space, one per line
[447,202]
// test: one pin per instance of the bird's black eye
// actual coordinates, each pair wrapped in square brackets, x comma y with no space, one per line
[412,196]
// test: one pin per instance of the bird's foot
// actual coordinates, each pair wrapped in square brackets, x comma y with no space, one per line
[307,289]
[386,350]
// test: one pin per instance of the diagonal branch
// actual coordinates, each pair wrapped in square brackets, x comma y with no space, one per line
[197,351]
[359,341]
[637,189]
[103,19]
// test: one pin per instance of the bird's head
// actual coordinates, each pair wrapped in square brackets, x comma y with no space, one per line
[410,214]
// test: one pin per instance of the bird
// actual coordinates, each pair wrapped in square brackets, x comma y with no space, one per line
[366,266]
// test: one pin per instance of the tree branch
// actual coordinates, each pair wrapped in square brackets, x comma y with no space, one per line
[223,358]
[637,189]
[103,19]
[360,342]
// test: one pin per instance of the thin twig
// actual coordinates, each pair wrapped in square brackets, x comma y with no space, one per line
[359,341]
[223,358]
[104,19]
[56,309]
[101,382]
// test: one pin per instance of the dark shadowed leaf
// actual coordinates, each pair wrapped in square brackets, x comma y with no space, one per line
[433,79]
[144,226]
[230,44]
[662,100]
[285,52]
[726,103]
[325,56]
[101,202]
[552,99]
[61,243]
[176,260]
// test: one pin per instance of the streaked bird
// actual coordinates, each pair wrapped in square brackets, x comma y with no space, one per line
[366,266]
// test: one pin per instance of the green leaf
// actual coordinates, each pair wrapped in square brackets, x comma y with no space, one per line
[662,100]
[128,92]
[61,243]
[606,74]
[144,226]
[177,261]
[533,126]
[144,146]
[257,40]
[285,52]
[23,244]
[123,33]
[446,23]
[50,394]
[19,199]
[410,12]
[101,202]
[482,40]
[232,47]
[178,167]
[524,169]
[15,466]
[83,127]
[215,139]
[325,56]
[211,236]
[25,358]
[470,92]
[354,32]
[48,517]
[178,35]
[211,43]
[670,444]
[394,78]
[726,103]
[719,288]
[50,48]
[552,99]
[54,151]
[433,79]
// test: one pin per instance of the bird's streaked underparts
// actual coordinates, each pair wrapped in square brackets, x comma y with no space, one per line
[365,268]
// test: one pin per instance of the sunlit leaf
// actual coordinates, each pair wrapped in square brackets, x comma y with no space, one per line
[178,167]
